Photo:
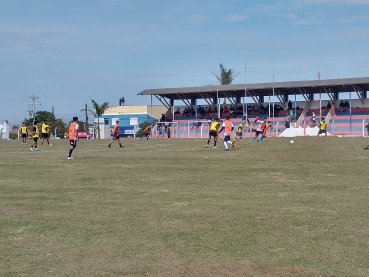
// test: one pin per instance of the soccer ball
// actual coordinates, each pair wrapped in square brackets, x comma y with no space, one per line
[291,141]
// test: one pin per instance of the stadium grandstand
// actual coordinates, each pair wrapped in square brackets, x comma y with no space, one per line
[297,104]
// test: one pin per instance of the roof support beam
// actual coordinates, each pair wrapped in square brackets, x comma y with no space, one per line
[304,93]
[184,100]
[207,98]
[230,98]
[280,96]
[359,92]
[254,96]
[331,93]
[163,101]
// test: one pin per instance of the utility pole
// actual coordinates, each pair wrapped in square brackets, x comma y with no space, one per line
[320,96]
[86,115]
[33,104]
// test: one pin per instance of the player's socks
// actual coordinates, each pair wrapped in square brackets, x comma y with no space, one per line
[215,144]
[70,152]
[251,141]
[225,145]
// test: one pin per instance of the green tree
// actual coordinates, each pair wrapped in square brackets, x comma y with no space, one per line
[81,126]
[99,111]
[140,133]
[226,77]
[44,116]
[41,116]
[61,127]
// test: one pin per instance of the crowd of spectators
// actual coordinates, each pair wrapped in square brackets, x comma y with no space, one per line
[231,110]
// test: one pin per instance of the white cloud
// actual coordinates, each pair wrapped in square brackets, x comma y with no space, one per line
[236,18]
[337,2]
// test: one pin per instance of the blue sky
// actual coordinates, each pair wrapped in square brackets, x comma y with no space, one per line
[69,51]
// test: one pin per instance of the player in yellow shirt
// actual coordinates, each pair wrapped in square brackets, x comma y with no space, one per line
[239,131]
[213,132]
[35,137]
[24,133]
[45,128]
[322,128]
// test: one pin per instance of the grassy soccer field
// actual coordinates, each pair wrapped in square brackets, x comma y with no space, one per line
[170,207]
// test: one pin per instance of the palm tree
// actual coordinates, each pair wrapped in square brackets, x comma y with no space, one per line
[99,111]
[226,76]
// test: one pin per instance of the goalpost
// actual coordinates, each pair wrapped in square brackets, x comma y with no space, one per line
[165,130]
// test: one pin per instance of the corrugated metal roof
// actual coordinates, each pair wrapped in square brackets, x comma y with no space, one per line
[263,89]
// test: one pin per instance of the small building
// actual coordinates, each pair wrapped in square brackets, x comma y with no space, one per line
[4,130]
[129,118]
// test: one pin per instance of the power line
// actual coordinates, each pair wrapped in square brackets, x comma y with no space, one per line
[86,115]
[33,104]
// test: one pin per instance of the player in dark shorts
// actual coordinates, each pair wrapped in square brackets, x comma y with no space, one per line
[45,133]
[115,135]
[213,133]
[24,133]
[147,132]
[322,128]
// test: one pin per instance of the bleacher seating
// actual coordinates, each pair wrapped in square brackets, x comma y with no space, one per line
[339,123]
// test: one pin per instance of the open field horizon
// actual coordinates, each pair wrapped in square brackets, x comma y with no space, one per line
[171,207]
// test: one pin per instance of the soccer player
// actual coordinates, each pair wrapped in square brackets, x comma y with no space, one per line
[73,136]
[147,132]
[45,128]
[159,131]
[239,134]
[35,137]
[116,135]
[322,128]
[260,126]
[213,132]
[24,133]
[227,126]
[264,130]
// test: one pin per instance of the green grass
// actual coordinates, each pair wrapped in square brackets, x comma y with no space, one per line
[170,207]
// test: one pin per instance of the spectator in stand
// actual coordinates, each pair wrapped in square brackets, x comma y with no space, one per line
[333,109]
[215,110]
[256,109]
[199,111]
[221,110]
[240,110]
[341,106]
[177,111]
[329,106]
[276,110]
[192,111]
[346,106]
[289,105]
[252,109]
[225,110]
[262,108]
